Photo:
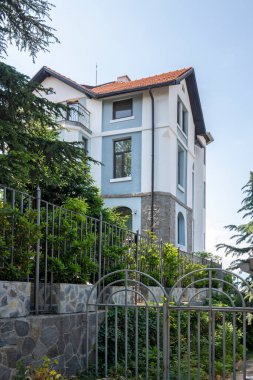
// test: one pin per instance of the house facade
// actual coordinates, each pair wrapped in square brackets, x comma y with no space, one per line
[150,136]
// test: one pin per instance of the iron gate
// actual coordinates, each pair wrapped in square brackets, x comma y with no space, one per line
[196,330]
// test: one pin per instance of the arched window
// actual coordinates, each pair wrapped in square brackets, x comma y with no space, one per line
[126,212]
[180,229]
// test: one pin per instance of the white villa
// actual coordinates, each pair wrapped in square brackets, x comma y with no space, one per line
[151,138]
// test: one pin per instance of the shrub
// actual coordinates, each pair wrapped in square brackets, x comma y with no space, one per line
[152,348]
[45,371]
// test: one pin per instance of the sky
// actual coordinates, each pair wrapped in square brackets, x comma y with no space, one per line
[142,38]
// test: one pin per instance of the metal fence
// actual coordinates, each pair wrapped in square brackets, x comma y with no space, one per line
[149,332]
[45,244]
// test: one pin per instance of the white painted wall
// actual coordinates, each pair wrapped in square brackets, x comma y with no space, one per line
[95,108]
[199,213]
[166,145]
[62,91]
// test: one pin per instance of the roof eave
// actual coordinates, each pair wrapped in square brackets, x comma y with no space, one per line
[191,82]
[45,72]
[197,113]
[136,89]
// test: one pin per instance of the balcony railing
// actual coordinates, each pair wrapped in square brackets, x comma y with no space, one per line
[77,114]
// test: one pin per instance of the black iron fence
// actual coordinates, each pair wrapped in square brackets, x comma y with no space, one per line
[46,244]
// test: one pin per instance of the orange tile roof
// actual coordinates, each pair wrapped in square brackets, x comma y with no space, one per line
[139,83]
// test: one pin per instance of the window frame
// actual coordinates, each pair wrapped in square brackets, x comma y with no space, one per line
[181,229]
[122,154]
[181,153]
[182,116]
[121,101]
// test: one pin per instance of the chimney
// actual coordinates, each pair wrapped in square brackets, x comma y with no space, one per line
[123,78]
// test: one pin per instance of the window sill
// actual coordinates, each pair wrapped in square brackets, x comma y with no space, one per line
[123,179]
[181,188]
[122,119]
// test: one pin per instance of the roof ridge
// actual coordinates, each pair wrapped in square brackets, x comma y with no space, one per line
[158,75]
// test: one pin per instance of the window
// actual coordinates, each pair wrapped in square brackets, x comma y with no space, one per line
[180,229]
[126,212]
[122,108]
[182,116]
[72,112]
[181,167]
[122,158]
[85,143]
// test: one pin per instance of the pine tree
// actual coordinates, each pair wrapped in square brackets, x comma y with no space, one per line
[243,233]
[23,22]
[31,153]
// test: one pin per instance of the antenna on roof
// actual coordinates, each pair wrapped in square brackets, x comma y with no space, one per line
[96,74]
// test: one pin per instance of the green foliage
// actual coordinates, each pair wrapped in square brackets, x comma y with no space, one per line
[17,249]
[164,262]
[208,256]
[152,347]
[23,23]
[45,371]
[242,234]
[30,150]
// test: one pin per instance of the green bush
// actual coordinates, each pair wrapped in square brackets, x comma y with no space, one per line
[152,348]
[18,236]
[45,371]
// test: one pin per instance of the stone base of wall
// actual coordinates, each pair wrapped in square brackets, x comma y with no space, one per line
[14,299]
[61,337]
[154,294]
[64,298]
[164,217]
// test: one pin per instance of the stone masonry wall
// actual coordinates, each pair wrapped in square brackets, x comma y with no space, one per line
[164,217]
[64,298]
[60,337]
[14,299]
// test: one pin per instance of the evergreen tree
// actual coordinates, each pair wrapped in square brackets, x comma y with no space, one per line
[23,22]
[31,153]
[243,233]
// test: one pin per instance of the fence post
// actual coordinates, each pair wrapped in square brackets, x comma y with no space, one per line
[136,236]
[161,262]
[37,273]
[137,249]
[100,246]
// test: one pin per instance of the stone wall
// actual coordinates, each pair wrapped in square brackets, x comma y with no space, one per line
[60,337]
[64,298]
[14,299]
[164,217]
[155,294]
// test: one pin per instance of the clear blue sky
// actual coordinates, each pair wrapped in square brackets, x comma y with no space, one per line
[144,37]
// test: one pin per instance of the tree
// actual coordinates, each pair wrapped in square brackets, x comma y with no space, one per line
[243,233]
[23,22]
[31,153]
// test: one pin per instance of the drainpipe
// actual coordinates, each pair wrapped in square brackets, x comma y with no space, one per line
[152,159]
